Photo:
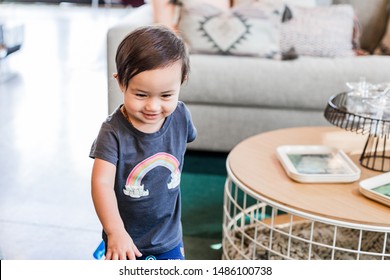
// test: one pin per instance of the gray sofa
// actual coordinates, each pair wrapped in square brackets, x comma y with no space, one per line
[233,97]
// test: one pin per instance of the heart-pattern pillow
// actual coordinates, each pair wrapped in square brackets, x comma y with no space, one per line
[252,30]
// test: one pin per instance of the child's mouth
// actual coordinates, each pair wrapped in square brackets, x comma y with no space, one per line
[151,116]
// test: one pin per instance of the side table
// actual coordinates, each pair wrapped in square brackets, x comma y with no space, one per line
[267,215]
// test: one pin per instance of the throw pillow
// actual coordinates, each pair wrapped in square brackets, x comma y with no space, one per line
[300,3]
[324,31]
[384,45]
[252,30]
[324,2]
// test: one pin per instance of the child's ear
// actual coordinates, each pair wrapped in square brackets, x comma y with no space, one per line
[115,75]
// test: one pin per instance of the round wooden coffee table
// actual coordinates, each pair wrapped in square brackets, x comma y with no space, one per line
[267,215]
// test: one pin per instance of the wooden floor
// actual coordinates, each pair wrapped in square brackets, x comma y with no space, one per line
[50,112]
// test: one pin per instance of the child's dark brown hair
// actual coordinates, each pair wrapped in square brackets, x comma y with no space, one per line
[148,48]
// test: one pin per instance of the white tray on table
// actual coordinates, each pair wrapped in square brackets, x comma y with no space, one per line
[317,164]
[377,188]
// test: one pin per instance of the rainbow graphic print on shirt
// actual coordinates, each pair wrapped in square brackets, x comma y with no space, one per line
[134,187]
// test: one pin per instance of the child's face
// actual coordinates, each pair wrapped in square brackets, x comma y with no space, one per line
[151,96]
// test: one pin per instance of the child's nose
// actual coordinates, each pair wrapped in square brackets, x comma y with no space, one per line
[153,104]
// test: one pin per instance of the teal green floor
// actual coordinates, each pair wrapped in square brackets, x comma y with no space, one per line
[202,185]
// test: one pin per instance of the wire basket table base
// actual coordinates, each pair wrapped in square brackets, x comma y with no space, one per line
[254,228]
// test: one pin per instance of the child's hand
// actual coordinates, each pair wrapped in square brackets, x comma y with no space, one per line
[121,247]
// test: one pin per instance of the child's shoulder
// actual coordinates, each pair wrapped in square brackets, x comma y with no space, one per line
[181,107]
[114,115]
[112,120]
[182,110]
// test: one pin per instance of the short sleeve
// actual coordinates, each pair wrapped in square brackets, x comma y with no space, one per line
[192,132]
[106,145]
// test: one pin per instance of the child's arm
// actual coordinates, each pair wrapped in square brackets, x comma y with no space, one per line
[120,245]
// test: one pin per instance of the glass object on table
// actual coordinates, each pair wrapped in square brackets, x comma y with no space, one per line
[358,95]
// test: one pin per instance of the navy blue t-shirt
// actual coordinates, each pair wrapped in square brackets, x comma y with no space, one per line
[147,181]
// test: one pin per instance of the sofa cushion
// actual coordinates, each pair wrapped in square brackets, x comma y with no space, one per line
[251,29]
[319,31]
[304,83]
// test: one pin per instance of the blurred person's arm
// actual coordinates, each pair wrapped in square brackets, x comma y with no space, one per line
[164,13]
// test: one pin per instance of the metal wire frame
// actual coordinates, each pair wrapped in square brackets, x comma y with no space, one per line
[261,215]
[374,155]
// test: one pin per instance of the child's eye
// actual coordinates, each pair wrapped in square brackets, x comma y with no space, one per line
[140,95]
[166,96]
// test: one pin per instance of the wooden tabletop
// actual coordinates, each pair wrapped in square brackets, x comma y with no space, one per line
[255,164]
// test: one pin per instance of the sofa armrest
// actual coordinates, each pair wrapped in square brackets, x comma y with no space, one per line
[138,17]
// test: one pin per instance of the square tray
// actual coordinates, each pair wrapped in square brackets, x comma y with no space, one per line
[377,188]
[317,164]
